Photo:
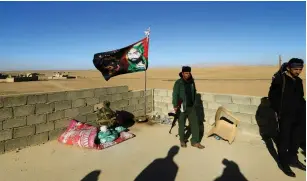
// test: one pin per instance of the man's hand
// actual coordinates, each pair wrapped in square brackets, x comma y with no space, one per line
[175,109]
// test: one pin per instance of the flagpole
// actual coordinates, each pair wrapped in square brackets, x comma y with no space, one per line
[147,32]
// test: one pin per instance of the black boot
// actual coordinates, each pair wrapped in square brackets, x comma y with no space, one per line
[287,170]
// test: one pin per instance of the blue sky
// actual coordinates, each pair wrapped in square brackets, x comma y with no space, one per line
[65,35]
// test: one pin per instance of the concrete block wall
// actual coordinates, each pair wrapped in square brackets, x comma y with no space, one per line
[32,119]
[242,107]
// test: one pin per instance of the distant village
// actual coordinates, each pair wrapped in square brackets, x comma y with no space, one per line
[24,77]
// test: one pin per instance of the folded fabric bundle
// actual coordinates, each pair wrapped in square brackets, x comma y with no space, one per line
[109,135]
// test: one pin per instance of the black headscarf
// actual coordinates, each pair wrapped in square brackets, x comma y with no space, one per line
[295,63]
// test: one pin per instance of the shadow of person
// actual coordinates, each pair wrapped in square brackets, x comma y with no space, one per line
[268,126]
[199,109]
[162,169]
[231,172]
[93,176]
[266,120]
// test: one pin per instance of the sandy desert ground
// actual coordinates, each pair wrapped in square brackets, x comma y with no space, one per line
[242,80]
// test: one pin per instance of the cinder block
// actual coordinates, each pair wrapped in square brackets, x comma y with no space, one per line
[256,100]
[36,119]
[105,98]
[149,92]
[142,100]
[54,134]
[62,105]
[44,108]
[91,101]
[73,95]
[115,105]
[207,97]
[223,98]
[25,110]
[231,107]
[116,97]
[142,92]
[137,94]
[162,106]
[210,119]
[40,128]
[38,139]
[204,104]
[86,110]
[247,118]
[166,99]
[254,121]
[155,92]
[55,116]
[157,110]
[169,93]
[158,98]
[140,106]
[100,92]
[210,112]
[249,129]
[213,105]
[163,93]
[1,147]
[149,109]
[139,113]
[81,118]
[15,101]
[62,123]
[111,90]
[122,103]
[78,103]
[91,117]
[133,101]
[71,113]
[245,100]
[14,144]
[23,131]
[1,102]
[6,113]
[14,122]
[121,89]
[248,109]
[149,99]
[6,134]
[166,110]
[57,96]
[125,95]
[36,99]
[170,107]
[129,108]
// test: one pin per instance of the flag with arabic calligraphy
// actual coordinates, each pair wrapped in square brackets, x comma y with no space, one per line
[130,59]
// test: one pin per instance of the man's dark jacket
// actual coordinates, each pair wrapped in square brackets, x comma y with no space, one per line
[184,93]
[292,99]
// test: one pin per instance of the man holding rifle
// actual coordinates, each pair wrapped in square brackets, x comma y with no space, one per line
[286,96]
[184,94]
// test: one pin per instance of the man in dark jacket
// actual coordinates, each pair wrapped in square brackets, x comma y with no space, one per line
[184,93]
[287,100]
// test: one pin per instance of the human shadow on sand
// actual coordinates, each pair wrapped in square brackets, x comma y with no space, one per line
[231,172]
[161,169]
[93,176]
[199,109]
[268,126]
